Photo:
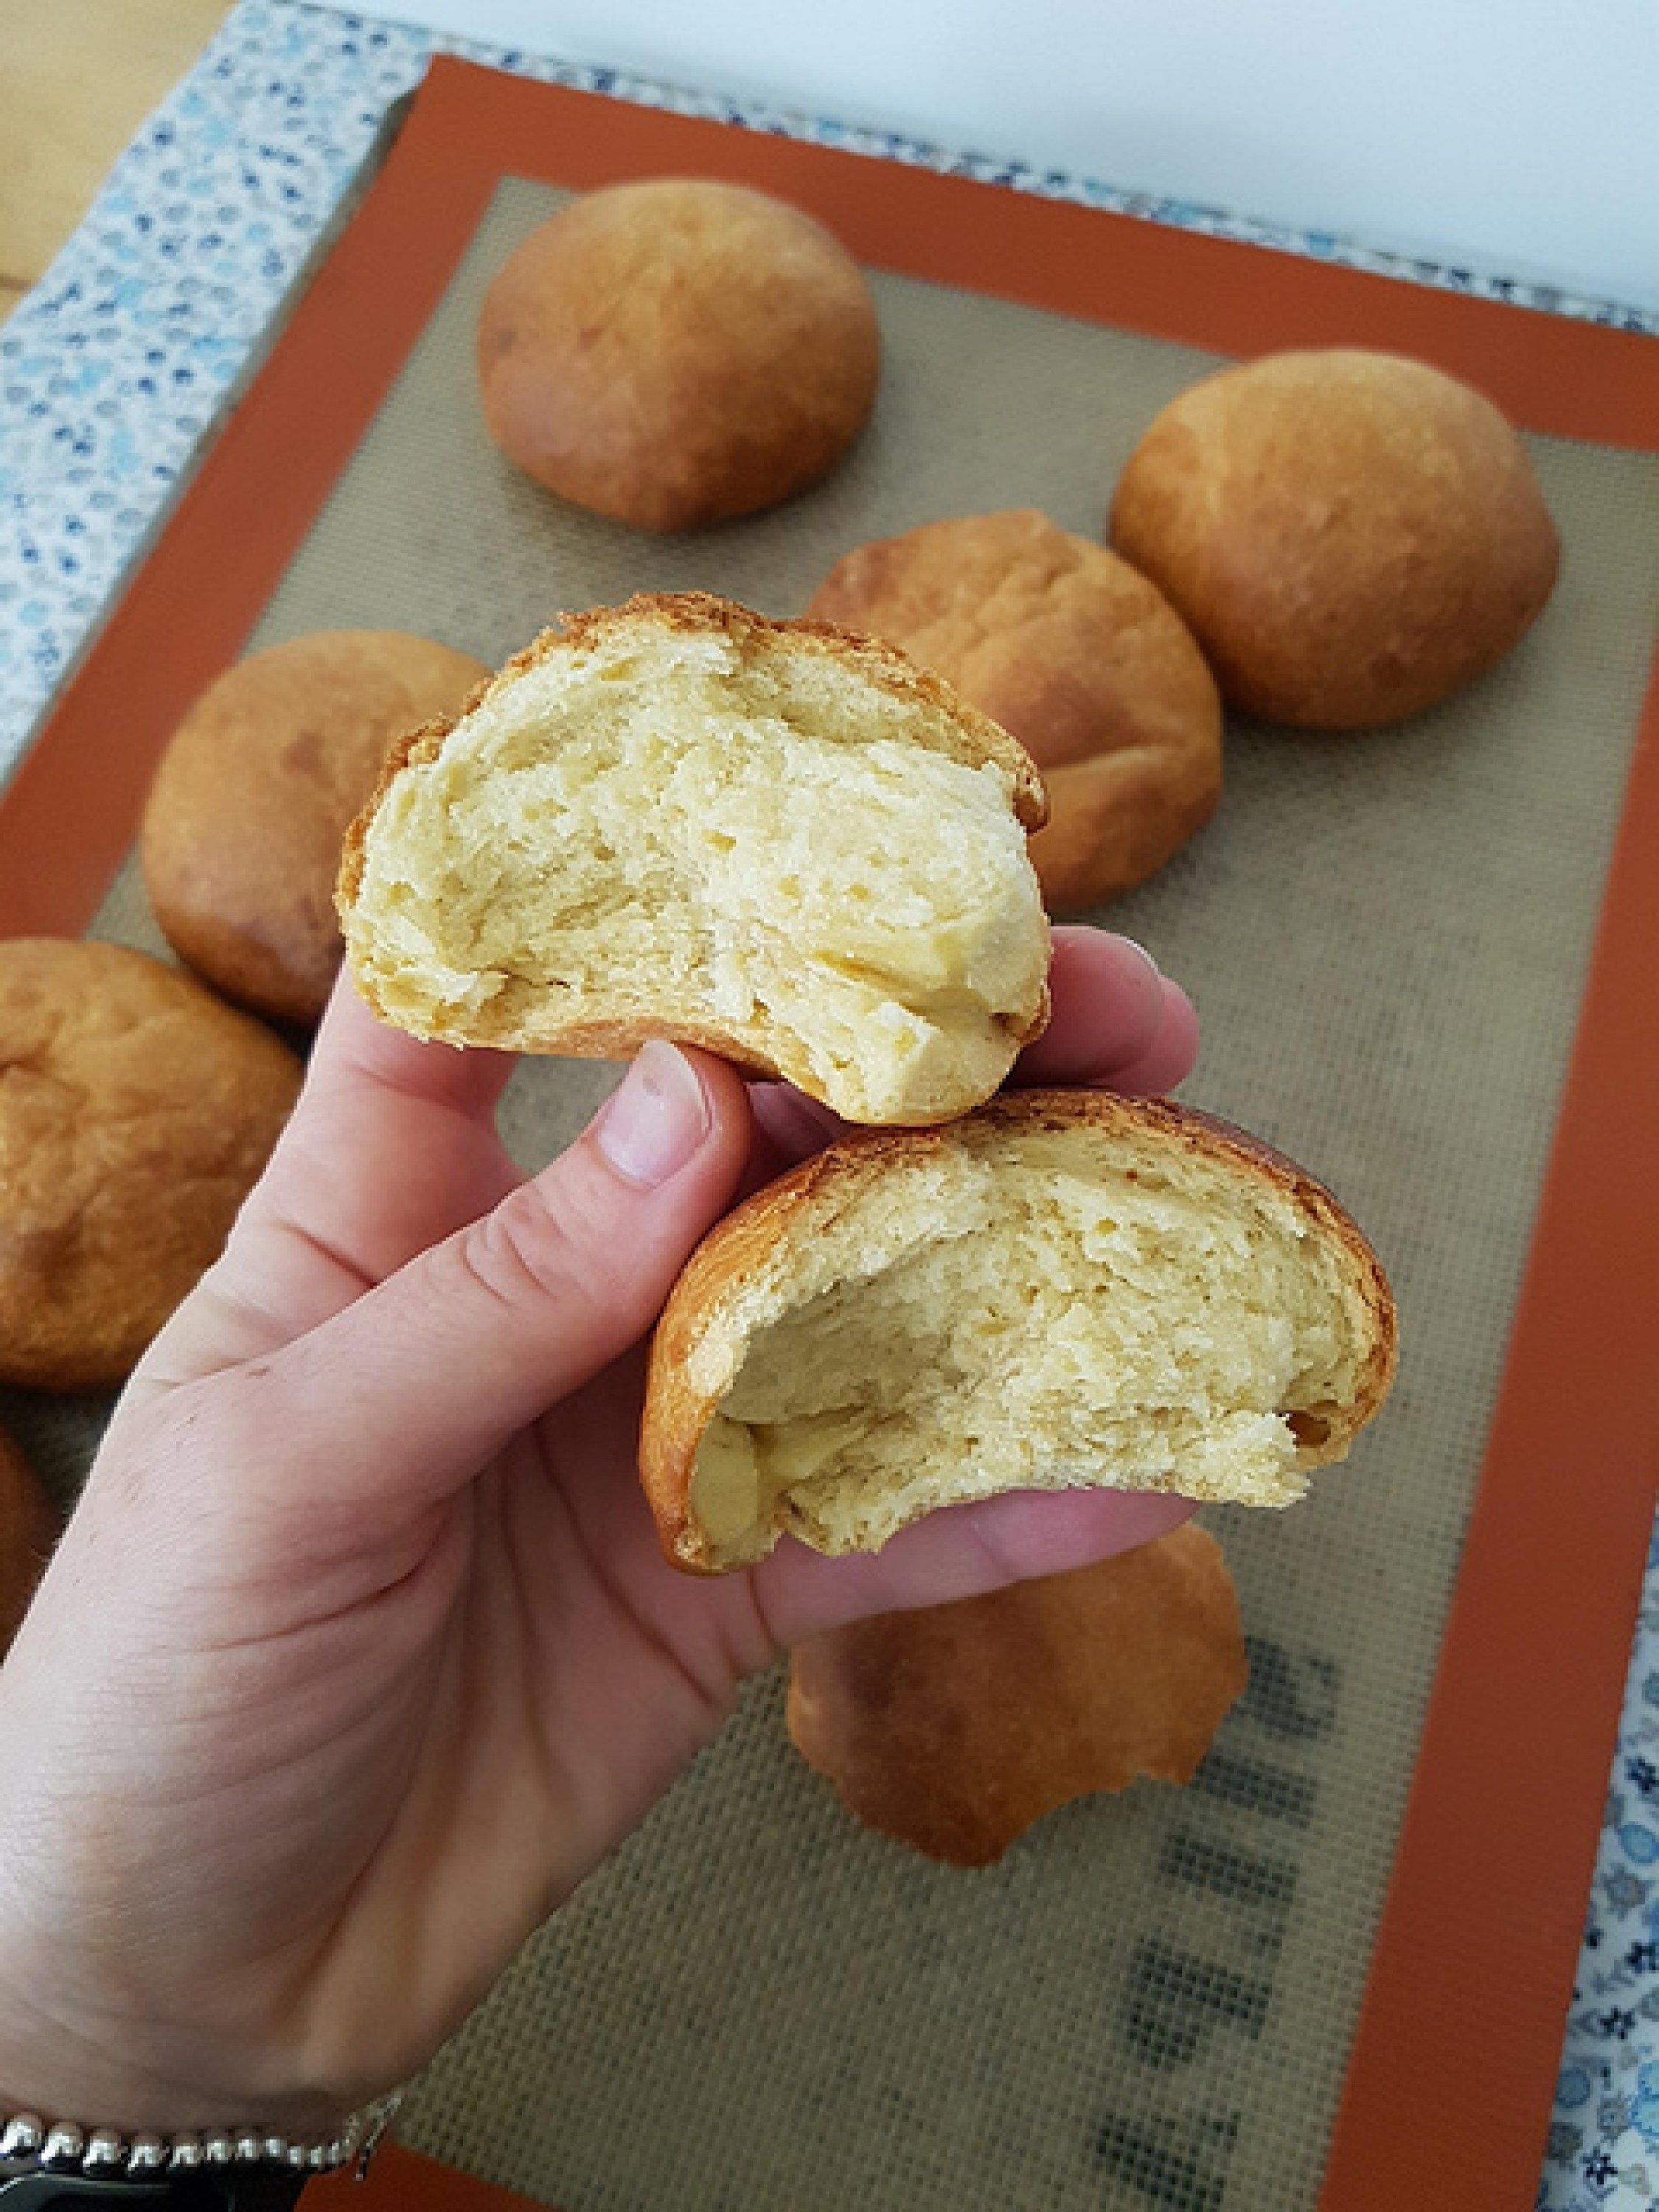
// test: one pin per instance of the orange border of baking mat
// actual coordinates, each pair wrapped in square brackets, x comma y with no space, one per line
[399,2181]
[1448,2091]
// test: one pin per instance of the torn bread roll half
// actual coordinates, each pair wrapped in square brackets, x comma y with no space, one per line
[676,818]
[1065,1290]
[955,1727]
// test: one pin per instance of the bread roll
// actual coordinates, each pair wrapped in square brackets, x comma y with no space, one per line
[136,1113]
[27,1529]
[676,818]
[1064,1291]
[953,1728]
[678,351]
[241,842]
[1350,536]
[1075,654]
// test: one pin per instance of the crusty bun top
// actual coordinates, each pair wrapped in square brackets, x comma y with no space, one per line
[1351,536]
[136,1113]
[1076,655]
[241,833]
[677,351]
[677,819]
[1065,1290]
[954,1726]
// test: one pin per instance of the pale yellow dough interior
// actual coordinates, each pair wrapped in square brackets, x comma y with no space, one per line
[671,833]
[966,1331]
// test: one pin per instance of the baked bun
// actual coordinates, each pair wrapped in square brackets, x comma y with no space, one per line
[1065,1290]
[29,1528]
[676,352]
[241,843]
[1351,536]
[678,819]
[136,1113]
[954,1728]
[1075,654]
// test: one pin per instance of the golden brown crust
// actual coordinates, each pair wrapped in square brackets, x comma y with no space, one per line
[1351,536]
[1075,654]
[675,352]
[29,1528]
[413,749]
[136,1114]
[954,1728]
[240,842]
[802,1203]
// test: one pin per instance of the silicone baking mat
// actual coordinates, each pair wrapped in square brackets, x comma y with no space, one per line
[1156,2000]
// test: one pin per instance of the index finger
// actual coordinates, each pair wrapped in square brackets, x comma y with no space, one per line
[356,1051]
[1117,1023]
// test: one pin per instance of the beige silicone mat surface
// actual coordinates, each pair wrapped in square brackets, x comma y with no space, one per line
[1150,2003]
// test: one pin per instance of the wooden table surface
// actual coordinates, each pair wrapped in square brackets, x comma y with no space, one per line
[77,77]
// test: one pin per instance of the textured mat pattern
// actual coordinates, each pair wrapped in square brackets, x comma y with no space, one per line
[1152,2000]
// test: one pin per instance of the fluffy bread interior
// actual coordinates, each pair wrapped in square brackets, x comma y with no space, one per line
[1042,1310]
[728,836]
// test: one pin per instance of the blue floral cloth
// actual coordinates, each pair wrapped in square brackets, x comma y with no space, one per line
[116,367]
[1603,2151]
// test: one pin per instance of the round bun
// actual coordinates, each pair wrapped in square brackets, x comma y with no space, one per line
[1351,536]
[677,352]
[1075,654]
[676,818]
[955,1727]
[136,1113]
[28,1528]
[1063,1290]
[241,843]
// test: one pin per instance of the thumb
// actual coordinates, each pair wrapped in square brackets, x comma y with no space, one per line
[404,1395]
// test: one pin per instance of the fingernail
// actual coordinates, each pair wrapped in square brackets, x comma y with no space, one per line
[1135,945]
[657,1122]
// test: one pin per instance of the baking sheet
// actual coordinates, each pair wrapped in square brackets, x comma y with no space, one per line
[1153,1999]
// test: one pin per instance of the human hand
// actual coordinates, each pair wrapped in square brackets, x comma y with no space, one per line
[359,1652]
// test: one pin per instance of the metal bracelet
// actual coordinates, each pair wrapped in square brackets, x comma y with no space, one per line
[31,2144]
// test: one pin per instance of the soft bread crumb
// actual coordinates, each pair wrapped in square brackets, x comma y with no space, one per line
[729,834]
[1015,1306]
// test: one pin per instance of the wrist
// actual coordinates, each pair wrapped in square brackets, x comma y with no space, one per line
[136,2111]
[68,2079]
[153,2077]
[96,2093]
